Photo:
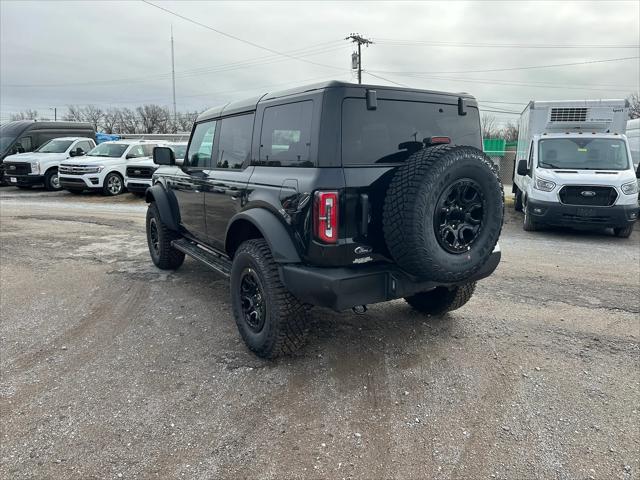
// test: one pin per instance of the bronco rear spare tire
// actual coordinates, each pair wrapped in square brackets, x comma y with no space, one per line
[443,212]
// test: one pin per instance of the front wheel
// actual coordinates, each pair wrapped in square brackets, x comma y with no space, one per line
[517,204]
[623,232]
[52,181]
[113,184]
[159,239]
[441,299]
[528,223]
[271,321]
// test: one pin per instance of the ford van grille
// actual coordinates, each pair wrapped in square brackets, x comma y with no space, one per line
[588,195]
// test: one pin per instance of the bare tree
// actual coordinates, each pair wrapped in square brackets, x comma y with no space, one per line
[25,115]
[185,121]
[489,125]
[153,118]
[110,120]
[127,121]
[74,113]
[93,115]
[634,105]
[509,132]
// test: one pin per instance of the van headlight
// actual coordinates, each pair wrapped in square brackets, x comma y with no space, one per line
[544,185]
[35,167]
[630,188]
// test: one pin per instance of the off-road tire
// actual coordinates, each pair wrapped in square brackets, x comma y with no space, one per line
[410,205]
[285,327]
[163,255]
[517,203]
[49,181]
[441,299]
[623,232]
[106,188]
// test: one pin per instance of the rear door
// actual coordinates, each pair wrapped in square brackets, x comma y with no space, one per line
[228,176]
[189,181]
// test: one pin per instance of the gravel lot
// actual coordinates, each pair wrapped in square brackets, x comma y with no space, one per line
[114,369]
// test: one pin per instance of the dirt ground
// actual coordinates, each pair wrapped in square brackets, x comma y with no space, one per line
[112,368]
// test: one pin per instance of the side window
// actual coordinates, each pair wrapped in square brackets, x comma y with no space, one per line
[234,147]
[26,144]
[285,139]
[201,145]
[136,151]
[84,145]
[530,160]
[148,149]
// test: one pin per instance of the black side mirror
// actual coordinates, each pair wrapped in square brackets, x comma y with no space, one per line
[163,156]
[638,171]
[19,148]
[79,152]
[522,167]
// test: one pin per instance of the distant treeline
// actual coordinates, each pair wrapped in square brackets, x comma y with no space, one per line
[144,119]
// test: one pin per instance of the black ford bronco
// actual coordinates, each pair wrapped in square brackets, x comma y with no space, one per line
[335,195]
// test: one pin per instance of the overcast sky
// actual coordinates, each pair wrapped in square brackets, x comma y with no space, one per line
[118,53]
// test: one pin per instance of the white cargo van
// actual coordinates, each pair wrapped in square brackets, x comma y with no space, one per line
[574,166]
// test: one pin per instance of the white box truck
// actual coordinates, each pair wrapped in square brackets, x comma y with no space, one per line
[573,166]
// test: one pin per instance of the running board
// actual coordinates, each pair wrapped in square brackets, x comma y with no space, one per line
[218,262]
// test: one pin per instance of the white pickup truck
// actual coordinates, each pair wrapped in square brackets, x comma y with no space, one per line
[140,171]
[574,166]
[40,167]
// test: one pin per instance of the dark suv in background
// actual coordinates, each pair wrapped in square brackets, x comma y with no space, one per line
[336,195]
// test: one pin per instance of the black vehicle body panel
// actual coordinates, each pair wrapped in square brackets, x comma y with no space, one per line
[267,198]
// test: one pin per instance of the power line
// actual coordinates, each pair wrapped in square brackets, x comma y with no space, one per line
[508,69]
[385,79]
[234,37]
[396,42]
[204,70]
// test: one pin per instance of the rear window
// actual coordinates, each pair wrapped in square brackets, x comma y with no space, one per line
[397,128]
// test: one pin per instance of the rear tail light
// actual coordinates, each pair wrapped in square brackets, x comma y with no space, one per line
[436,140]
[325,216]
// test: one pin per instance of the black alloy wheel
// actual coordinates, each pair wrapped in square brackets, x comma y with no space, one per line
[459,216]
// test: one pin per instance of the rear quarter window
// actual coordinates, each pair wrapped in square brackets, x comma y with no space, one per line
[396,129]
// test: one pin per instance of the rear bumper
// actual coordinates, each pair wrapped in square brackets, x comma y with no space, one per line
[24,180]
[346,287]
[558,214]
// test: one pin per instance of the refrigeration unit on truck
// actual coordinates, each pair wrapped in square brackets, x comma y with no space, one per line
[574,166]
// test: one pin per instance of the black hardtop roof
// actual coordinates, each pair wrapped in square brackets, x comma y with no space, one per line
[21,125]
[251,103]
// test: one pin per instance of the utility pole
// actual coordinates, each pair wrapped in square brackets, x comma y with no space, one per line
[173,80]
[55,113]
[360,40]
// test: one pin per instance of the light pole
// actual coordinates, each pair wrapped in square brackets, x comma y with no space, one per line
[55,113]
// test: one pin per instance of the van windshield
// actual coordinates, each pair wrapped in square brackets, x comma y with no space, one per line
[113,150]
[583,154]
[55,146]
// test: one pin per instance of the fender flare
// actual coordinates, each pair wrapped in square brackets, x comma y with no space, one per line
[167,208]
[272,230]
